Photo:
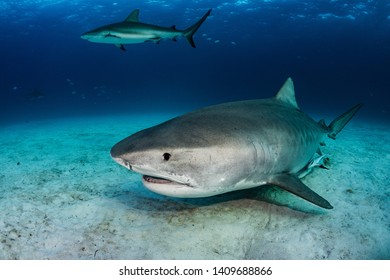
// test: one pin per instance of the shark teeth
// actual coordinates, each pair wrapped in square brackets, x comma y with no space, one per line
[156,180]
[162,181]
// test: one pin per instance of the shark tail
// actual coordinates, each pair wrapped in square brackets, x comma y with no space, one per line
[190,31]
[338,124]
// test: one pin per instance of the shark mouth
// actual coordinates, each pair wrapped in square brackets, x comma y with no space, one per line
[169,187]
[156,180]
[148,179]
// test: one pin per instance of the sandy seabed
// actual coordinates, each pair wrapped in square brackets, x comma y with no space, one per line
[63,197]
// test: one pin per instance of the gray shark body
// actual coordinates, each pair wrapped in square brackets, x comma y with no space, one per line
[231,146]
[132,31]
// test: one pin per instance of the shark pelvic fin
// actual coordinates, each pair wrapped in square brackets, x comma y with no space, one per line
[133,16]
[292,184]
[286,94]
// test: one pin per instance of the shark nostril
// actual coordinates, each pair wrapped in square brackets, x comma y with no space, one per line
[123,162]
[128,166]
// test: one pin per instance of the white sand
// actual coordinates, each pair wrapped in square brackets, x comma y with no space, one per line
[66,199]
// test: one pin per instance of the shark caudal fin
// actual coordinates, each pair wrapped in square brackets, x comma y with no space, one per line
[338,124]
[190,31]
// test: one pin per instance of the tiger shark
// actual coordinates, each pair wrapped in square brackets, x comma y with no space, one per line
[231,146]
[132,31]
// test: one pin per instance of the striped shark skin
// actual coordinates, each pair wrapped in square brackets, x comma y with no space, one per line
[232,146]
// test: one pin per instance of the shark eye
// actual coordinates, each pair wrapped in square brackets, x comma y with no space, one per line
[166,156]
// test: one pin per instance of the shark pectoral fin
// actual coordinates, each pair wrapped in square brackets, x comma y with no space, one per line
[292,184]
[121,46]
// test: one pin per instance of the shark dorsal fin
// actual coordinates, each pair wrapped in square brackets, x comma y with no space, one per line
[286,94]
[133,16]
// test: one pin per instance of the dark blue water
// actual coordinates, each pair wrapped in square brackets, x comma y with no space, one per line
[337,52]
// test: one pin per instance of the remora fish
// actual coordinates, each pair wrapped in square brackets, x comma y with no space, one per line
[131,31]
[231,146]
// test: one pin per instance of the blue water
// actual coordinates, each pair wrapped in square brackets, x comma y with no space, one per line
[337,52]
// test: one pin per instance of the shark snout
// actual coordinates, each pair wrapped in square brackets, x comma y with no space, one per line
[90,35]
[122,162]
[85,36]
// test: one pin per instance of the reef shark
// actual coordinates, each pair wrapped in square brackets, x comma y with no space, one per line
[132,31]
[231,146]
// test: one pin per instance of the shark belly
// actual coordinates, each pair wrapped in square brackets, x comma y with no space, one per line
[118,38]
[139,37]
[131,39]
